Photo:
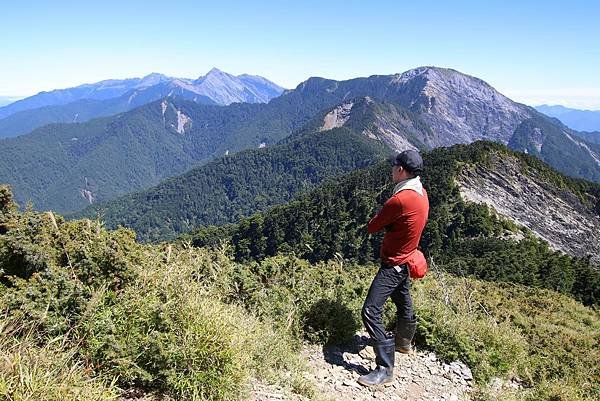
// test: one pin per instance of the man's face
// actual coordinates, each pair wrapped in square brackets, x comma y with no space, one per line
[397,173]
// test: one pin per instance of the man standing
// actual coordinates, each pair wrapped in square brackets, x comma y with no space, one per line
[403,217]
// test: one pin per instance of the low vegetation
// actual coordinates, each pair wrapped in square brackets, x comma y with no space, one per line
[123,317]
[91,314]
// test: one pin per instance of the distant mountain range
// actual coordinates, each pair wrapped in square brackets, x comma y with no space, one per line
[336,140]
[66,166]
[84,102]
[586,122]
[580,120]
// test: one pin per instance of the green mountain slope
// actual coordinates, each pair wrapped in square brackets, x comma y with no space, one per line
[230,187]
[558,146]
[590,137]
[63,166]
[26,121]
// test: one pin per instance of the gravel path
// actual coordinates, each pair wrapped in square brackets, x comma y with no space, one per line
[419,376]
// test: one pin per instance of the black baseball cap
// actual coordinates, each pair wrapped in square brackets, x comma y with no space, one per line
[410,160]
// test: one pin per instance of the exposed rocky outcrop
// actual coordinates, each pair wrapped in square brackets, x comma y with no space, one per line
[182,122]
[457,107]
[337,117]
[175,118]
[593,154]
[87,195]
[556,215]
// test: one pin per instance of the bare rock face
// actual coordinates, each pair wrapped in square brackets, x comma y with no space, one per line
[457,107]
[553,214]
[337,117]
[87,195]
[175,118]
[182,121]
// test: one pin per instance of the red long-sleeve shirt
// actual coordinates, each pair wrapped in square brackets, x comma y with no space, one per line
[406,213]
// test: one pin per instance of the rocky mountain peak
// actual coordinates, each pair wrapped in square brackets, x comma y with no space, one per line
[458,107]
[461,108]
[215,75]
[215,71]
[246,88]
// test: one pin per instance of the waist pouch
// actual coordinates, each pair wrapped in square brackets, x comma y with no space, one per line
[417,264]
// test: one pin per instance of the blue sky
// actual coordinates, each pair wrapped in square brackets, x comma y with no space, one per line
[533,51]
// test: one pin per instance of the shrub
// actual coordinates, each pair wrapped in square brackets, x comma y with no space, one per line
[318,302]
[503,329]
[169,332]
[463,329]
[330,322]
[50,269]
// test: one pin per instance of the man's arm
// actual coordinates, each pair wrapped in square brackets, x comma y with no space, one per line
[390,211]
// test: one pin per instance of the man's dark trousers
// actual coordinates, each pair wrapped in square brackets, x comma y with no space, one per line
[388,282]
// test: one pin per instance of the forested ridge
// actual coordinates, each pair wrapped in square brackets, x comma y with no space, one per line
[467,238]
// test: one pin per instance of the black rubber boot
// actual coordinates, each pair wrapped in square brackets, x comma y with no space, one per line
[405,330]
[384,372]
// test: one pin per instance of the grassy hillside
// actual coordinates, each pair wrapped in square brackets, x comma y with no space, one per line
[90,313]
